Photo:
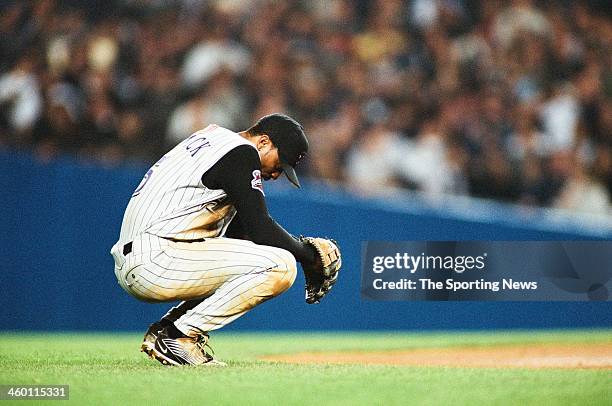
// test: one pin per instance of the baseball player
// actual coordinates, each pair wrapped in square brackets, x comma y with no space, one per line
[197,229]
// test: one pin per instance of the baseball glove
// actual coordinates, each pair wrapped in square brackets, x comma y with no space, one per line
[321,277]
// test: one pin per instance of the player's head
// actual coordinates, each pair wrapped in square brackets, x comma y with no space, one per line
[288,145]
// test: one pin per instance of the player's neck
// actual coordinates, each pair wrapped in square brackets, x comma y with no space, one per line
[249,137]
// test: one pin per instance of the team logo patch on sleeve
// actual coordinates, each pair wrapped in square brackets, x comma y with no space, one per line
[256,182]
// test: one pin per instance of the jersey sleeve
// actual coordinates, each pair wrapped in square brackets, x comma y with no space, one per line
[238,173]
[236,229]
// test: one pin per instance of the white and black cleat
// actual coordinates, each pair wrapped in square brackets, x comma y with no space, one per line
[182,351]
[148,342]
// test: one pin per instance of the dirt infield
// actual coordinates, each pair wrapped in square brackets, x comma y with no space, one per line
[597,355]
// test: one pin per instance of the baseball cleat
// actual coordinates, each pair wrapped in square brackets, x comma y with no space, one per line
[148,342]
[183,351]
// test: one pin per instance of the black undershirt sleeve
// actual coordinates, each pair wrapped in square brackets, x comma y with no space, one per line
[236,230]
[233,173]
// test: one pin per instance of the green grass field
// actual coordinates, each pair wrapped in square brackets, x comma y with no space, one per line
[108,369]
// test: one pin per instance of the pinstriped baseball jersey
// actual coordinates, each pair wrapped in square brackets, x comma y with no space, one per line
[171,200]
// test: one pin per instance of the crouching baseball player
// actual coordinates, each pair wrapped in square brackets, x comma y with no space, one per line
[197,230]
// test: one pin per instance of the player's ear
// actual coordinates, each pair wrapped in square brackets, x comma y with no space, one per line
[264,140]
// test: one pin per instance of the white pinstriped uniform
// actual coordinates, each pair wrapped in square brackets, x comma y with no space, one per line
[218,279]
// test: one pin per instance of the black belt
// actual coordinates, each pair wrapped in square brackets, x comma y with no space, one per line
[127,248]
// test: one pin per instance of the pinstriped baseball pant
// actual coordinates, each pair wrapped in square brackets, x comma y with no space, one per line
[218,280]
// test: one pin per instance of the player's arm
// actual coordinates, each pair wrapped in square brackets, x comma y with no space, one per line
[234,174]
[236,229]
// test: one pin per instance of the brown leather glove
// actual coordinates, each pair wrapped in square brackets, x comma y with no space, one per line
[321,277]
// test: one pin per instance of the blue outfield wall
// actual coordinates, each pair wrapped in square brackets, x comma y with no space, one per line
[60,219]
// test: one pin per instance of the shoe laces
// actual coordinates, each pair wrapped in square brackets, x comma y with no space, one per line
[201,341]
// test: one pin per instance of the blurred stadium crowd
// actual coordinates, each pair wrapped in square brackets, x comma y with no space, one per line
[508,100]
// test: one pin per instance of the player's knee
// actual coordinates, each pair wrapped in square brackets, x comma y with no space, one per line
[284,273]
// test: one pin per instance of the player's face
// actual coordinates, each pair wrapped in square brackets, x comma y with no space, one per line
[270,161]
